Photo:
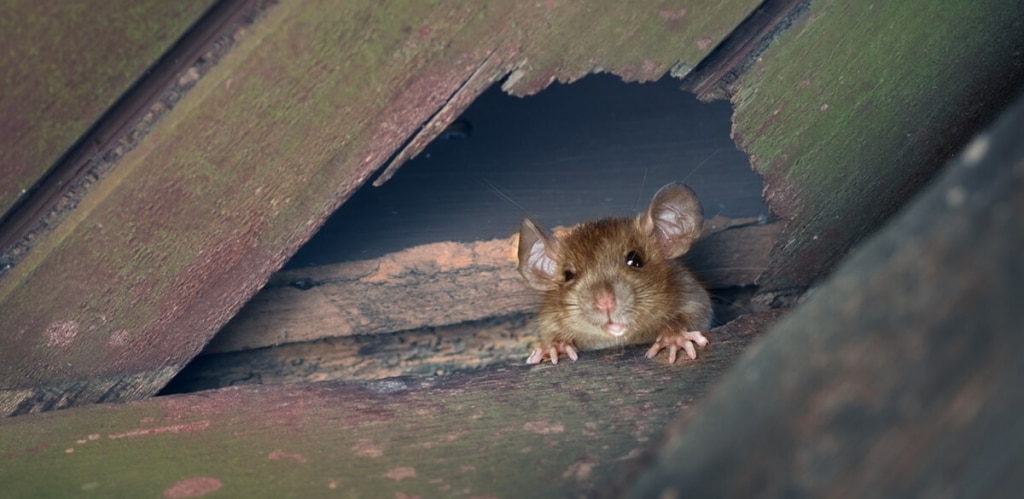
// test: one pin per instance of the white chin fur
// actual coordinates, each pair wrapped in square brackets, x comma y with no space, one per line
[615,329]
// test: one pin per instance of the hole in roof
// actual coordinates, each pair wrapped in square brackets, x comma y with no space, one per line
[598,147]
[591,149]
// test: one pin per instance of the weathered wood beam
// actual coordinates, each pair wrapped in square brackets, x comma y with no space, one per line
[444,283]
[308,104]
[544,431]
[64,65]
[900,376]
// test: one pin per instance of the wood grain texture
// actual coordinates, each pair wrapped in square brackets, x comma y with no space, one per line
[444,283]
[544,431]
[849,111]
[312,99]
[899,376]
[64,65]
[429,351]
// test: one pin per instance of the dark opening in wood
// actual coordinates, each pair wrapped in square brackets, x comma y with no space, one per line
[417,277]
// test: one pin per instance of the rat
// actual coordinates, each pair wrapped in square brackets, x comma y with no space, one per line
[619,281]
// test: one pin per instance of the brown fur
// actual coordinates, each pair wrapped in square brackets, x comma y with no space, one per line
[661,296]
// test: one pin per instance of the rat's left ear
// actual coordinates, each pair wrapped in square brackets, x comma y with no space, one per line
[673,219]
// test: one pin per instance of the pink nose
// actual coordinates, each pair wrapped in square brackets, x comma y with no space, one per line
[604,300]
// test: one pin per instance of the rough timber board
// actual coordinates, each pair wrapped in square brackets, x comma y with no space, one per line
[317,96]
[545,431]
[64,64]
[850,110]
[432,351]
[900,376]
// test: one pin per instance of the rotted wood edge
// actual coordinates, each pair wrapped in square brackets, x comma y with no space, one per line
[899,376]
[445,283]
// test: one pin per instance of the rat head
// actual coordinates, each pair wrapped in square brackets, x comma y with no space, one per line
[613,277]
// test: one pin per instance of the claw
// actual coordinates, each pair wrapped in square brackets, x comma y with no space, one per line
[551,352]
[676,340]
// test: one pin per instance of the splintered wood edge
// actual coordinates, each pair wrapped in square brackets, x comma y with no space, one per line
[442,284]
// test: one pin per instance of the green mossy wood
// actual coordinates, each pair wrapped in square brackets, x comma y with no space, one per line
[313,99]
[853,108]
[64,64]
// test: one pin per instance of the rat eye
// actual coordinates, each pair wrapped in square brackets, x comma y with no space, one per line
[633,260]
[569,275]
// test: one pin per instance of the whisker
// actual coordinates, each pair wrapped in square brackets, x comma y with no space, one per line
[688,175]
[639,195]
[504,196]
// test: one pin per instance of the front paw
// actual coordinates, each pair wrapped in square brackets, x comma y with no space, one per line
[551,352]
[674,340]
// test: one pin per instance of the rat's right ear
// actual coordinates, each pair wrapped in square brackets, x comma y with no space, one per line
[673,219]
[536,256]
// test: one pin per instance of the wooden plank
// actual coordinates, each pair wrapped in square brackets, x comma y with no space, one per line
[843,116]
[312,100]
[514,432]
[442,284]
[463,347]
[899,376]
[64,65]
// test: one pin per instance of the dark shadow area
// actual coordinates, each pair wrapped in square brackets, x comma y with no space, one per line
[591,149]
